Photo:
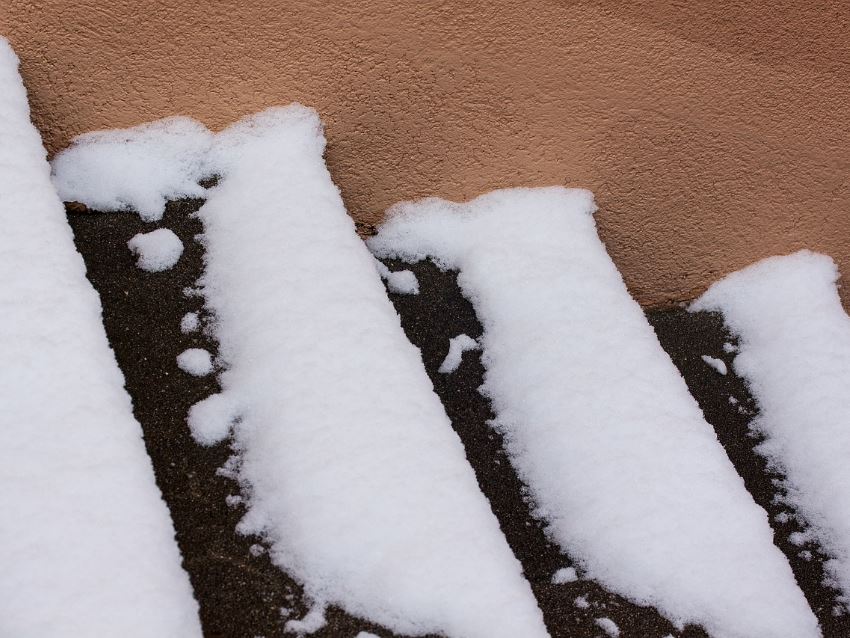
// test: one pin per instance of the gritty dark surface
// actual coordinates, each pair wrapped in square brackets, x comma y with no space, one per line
[240,595]
[686,337]
[438,313]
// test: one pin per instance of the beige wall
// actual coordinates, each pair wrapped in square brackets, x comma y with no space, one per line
[712,136]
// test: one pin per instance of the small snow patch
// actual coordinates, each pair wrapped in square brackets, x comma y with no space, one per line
[230,469]
[457,346]
[608,626]
[190,323]
[210,421]
[402,282]
[564,575]
[581,602]
[139,168]
[157,250]
[256,550]
[717,364]
[311,623]
[195,361]
[798,538]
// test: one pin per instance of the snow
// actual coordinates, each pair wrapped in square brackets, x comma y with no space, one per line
[135,169]
[157,250]
[598,422]
[794,352]
[718,364]
[310,624]
[86,542]
[798,538]
[608,626]
[195,361]
[211,419]
[402,282]
[581,602]
[564,575]
[190,323]
[354,476]
[457,346]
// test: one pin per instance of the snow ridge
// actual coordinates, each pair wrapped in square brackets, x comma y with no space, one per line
[794,352]
[598,421]
[353,473]
[86,542]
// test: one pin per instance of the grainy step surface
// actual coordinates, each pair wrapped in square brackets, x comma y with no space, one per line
[241,594]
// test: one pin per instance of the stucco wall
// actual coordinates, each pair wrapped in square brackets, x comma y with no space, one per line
[712,136]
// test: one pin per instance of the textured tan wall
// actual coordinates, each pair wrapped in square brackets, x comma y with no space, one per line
[712,135]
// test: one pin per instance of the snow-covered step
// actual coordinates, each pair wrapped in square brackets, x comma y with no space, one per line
[571,603]
[350,468]
[354,474]
[86,543]
[598,421]
[794,351]
[729,406]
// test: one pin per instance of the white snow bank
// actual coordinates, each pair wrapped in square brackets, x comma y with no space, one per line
[195,361]
[157,250]
[794,352]
[598,421]
[718,364]
[457,346]
[86,544]
[136,168]
[354,475]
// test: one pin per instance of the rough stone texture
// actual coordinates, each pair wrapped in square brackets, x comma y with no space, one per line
[712,135]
